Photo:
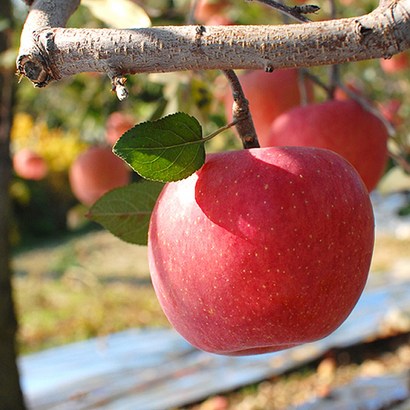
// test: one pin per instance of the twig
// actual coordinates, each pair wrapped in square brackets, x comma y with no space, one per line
[315,79]
[333,9]
[292,12]
[191,13]
[334,79]
[401,161]
[241,115]
[368,107]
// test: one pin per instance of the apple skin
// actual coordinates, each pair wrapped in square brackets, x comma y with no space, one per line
[261,249]
[341,126]
[206,10]
[269,95]
[28,164]
[117,124]
[397,63]
[95,172]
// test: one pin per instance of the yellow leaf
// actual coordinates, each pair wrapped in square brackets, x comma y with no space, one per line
[395,180]
[118,13]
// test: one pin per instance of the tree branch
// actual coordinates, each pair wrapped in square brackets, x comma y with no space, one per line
[53,53]
[43,13]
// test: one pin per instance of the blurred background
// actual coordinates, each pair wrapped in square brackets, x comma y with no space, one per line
[73,280]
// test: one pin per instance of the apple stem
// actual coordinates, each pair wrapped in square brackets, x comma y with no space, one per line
[334,80]
[241,114]
[368,107]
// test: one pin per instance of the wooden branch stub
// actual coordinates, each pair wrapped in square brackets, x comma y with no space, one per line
[33,69]
[37,66]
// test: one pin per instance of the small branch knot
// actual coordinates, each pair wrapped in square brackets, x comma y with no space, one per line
[269,68]
[199,32]
[118,86]
[362,31]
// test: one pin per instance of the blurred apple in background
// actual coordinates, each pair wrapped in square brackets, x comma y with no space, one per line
[28,164]
[397,63]
[206,10]
[269,95]
[117,123]
[95,172]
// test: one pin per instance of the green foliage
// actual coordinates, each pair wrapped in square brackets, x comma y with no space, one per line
[169,149]
[126,211]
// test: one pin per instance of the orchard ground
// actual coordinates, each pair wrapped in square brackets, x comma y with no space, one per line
[92,284]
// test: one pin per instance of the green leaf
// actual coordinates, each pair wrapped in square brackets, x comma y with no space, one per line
[169,149]
[126,211]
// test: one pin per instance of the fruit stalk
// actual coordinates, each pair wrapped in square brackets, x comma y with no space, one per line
[241,113]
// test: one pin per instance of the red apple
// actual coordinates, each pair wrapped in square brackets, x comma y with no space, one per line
[269,95]
[397,63]
[341,126]
[206,10]
[219,20]
[117,124]
[28,164]
[95,172]
[261,249]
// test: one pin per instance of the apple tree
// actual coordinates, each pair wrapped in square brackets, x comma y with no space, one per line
[10,391]
[286,232]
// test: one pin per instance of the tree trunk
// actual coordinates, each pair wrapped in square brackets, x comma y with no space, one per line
[11,396]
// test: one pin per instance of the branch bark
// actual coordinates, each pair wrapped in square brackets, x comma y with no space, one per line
[50,52]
